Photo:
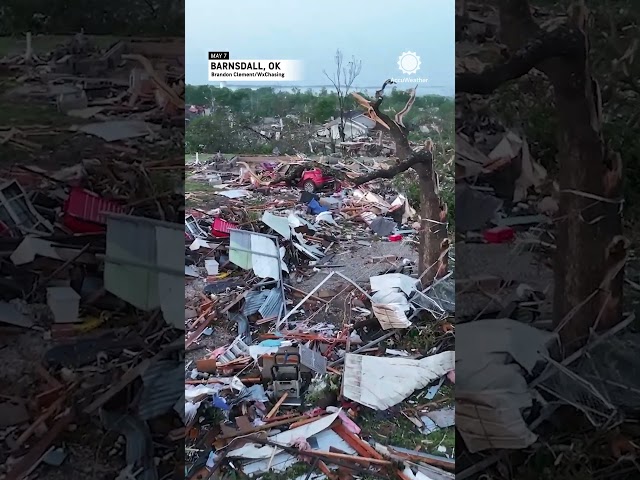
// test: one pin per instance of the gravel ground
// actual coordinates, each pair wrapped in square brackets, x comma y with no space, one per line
[360,262]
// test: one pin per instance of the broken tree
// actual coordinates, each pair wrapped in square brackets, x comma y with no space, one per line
[590,248]
[434,242]
[342,82]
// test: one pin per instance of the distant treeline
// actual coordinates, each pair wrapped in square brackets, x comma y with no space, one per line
[320,107]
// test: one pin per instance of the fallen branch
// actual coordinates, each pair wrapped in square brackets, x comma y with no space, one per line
[562,42]
[422,157]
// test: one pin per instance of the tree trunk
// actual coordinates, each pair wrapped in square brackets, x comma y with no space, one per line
[589,246]
[590,250]
[434,242]
[433,229]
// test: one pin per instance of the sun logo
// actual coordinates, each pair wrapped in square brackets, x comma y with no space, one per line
[409,63]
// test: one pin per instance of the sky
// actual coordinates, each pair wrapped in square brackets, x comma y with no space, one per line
[376,32]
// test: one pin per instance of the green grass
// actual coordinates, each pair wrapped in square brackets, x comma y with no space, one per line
[16,114]
[195,186]
[400,432]
[290,473]
[420,338]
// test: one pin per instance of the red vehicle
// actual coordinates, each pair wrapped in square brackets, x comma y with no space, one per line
[314,180]
[311,180]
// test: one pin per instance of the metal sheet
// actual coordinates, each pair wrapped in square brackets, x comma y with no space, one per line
[243,325]
[140,267]
[253,301]
[313,359]
[272,304]
[236,349]
[163,382]
[139,450]
[240,249]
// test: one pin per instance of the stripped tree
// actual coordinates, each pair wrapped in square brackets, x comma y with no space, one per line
[434,241]
[591,250]
[342,81]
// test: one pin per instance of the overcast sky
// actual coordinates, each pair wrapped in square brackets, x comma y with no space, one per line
[375,31]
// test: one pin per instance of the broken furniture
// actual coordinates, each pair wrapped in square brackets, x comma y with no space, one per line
[286,378]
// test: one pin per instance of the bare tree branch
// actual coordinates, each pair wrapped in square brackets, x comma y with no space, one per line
[384,85]
[342,82]
[415,159]
[371,113]
[564,42]
[399,134]
[402,113]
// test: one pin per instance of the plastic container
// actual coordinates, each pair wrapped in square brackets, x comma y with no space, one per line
[64,303]
[499,235]
[220,228]
[84,211]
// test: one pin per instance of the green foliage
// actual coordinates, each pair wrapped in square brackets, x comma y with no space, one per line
[613,38]
[216,133]
[407,184]
[317,108]
[118,17]
[323,108]
[234,110]
[534,113]
[291,473]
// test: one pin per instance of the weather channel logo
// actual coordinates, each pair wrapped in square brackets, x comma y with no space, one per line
[409,63]
[222,68]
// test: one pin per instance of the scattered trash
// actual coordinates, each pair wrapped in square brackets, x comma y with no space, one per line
[306,299]
[88,214]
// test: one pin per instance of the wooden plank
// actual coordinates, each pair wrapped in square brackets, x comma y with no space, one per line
[275,408]
[266,426]
[41,420]
[201,328]
[352,458]
[31,460]
[129,376]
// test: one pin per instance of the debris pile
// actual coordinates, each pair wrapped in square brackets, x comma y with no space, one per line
[302,310]
[89,286]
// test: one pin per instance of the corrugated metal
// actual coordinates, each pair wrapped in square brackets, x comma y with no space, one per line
[253,301]
[139,443]
[163,386]
[272,304]
[244,332]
